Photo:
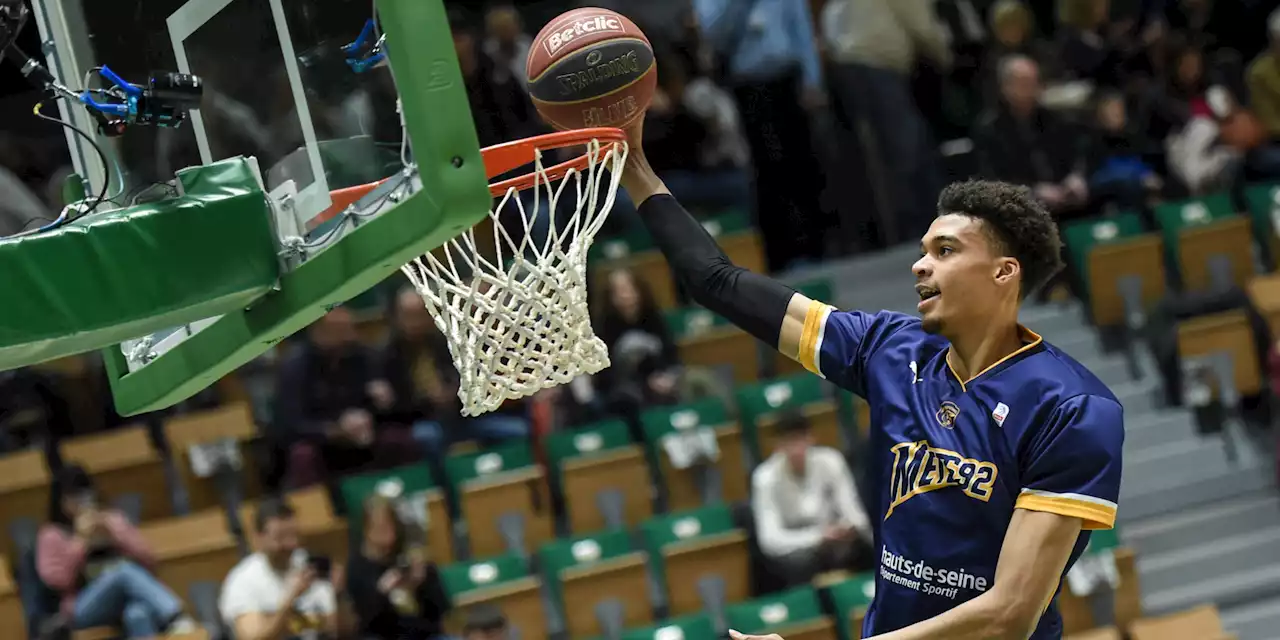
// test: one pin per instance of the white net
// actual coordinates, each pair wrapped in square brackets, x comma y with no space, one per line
[515,313]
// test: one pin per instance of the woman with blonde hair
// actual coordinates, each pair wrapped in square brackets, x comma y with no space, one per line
[395,589]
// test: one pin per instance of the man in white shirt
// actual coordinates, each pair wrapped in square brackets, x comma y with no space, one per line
[279,592]
[806,508]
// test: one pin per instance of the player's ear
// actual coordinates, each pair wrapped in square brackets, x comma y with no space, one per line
[1007,270]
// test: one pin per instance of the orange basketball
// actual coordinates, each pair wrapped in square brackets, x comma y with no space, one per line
[591,68]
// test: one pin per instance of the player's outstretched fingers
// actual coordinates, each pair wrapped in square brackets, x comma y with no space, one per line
[738,636]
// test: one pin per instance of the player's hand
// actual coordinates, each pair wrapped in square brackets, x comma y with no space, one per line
[638,178]
[738,636]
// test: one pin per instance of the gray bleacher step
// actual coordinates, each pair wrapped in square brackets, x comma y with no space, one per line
[1081,343]
[1138,397]
[1258,620]
[1184,488]
[1111,370]
[1253,512]
[1153,429]
[1228,550]
[1185,458]
[1259,582]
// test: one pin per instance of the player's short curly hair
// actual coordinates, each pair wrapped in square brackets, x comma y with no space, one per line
[1020,225]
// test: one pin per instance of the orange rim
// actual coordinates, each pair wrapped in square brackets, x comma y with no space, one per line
[509,156]
[499,159]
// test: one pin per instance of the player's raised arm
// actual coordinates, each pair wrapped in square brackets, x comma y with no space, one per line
[762,306]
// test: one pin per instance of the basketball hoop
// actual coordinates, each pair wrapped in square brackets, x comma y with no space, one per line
[516,320]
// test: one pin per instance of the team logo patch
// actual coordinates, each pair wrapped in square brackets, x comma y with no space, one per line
[1000,413]
[946,414]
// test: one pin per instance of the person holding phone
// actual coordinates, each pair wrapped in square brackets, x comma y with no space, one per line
[396,591]
[280,592]
[100,564]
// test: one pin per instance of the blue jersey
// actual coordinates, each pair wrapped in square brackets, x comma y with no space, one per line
[953,458]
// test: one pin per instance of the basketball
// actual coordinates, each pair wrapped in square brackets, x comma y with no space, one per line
[591,67]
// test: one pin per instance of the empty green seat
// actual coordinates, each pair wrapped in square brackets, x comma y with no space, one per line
[502,496]
[820,290]
[759,405]
[851,599]
[690,322]
[603,476]
[419,500]
[794,613]
[686,548]
[503,582]
[1081,237]
[694,627]
[1263,202]
[727,222]
[587,571]
[1174,217]
[679,436]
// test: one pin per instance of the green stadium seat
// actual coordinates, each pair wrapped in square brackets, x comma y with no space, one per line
[603,475]
[503,497]
[601,576]
[416,488]
[694,627]
[1263,203]
[503,582]
[1078,611]
[1105,253]
[794,614]
[739,239]
[851,599]
[1197,230]
[696,554]
[760,404]
[706,339]
[684,429]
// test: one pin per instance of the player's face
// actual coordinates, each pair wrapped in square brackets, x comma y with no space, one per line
[960,277]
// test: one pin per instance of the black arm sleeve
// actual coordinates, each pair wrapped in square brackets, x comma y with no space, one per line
[754,302]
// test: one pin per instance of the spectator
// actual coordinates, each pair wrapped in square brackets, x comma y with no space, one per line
[876,47]
[645,368]
[1121,175]
[507,44]
[1264,91]
[329,399]
[698,148]
[1084,49]
[1021,142]
[396,591]
[1187,117]
[485,622]
[417,363]
[1013,33]
[772,65]
[279,592]
[808,517]
[100,564]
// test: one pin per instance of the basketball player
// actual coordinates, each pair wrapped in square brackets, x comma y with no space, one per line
[994,454]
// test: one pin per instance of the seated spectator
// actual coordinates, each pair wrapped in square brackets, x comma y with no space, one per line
[1021,142]
[485,622]
[1085,47]
[279,592]
[396,591]
[806,508]
[1264,93]
[1012,32]
[1121,175]
[1186,114]
[332,409]
[417,363]
[100,564]
[507,44]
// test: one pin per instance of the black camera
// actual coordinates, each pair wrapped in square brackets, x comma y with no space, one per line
[168,97]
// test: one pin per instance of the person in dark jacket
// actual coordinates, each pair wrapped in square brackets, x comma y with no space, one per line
[395,589]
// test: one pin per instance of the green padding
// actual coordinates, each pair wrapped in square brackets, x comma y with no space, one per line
[1173,217]
[124,274]
[849,596]
[1081,237]
[694,627]
[755,401]
[777,611]
[691,322]
[555,557]
[462,577]
[704,413]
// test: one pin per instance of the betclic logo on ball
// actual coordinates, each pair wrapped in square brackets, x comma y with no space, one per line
[578,28]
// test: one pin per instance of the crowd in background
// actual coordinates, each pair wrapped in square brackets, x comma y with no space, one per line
[834,123]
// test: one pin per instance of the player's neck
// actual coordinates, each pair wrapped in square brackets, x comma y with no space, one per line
[971,354]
